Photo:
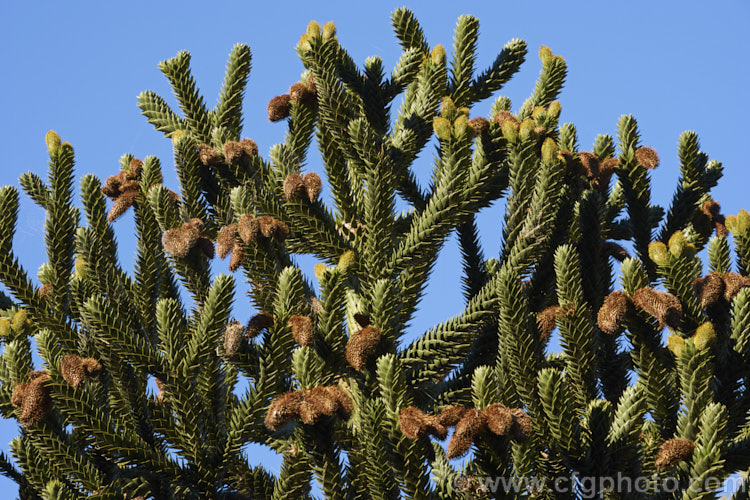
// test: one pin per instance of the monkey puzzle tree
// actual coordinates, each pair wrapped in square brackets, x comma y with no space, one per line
[332,385]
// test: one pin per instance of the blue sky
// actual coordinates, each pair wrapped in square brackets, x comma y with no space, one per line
[77,67]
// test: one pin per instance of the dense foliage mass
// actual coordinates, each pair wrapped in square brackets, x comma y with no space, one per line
[138,396]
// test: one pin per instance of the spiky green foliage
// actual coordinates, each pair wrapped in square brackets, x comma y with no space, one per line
[140,393]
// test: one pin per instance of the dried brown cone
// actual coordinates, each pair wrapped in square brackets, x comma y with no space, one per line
[248,228]
[233,334]
[590,163]
[302,330]
[294,187]
[113,185]
[258,323]
[273,228]
[709,289]
[615,250]
[208,155]
[265,224]
[606,169]
[313,186]
[32,399]
[733,283]
[236,259]
[479,124]
[225,240]
[72,371]
[299,92]
[664,306]
[451,415]
[547,319]
[411,420]
[122,204]
[673,451]
[249,146]
[471,425]
[499,419]
[362,345]
[312,406]
[503,116]
[279,107]
[283,409]
[344,402]
[647,157]
[522,425]
[173,243]
[615,308]
[135,167]
[233,152]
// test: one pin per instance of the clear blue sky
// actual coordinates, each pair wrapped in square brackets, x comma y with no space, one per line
[77,67]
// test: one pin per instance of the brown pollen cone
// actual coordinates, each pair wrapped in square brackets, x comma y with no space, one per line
[503,116]
[647,157]
[233,152]
[236,259]
[208,155]
[122,204]
[91,367]
[479,124]
[470,426]
[615,308]
[344,403]
[45,290]
[283,409]
[248,228]
[249,146]
[411,420]
[362,345]
[590,164]
[266,223]
[257,323]
[673,451]
[225,240]
[547,319]
[279,107]
[451,415]
[173,243]
[302,330]
[709,289]
[733,283]
[664,306]
[313,186]
[311,407]
[499,419]
[606,169]
[276,230]
[32,399]
[294,187]
[299,92]
[522,425]
[135,167]
[72,370]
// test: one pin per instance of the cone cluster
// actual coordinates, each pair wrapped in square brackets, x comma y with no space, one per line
[714,287]
[123,189]
[673,451]
[32,399]
[469,423]
[249,229]
[296,186]
[232,152]
[361,345]
[309,406]
[280,106]
[179,241]
[598,171]
[75,369]
[617,306]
